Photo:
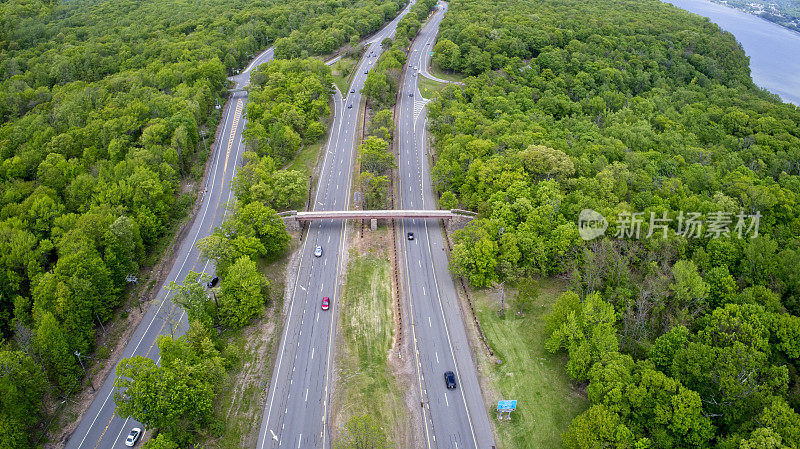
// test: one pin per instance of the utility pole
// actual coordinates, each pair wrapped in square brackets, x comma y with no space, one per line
[80,360]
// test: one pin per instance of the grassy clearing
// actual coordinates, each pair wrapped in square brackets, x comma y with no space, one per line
[529,373]
[428,88]
[341,72]
[449,76]
[365,383]
[306,158]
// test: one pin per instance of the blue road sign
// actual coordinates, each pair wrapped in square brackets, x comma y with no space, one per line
[507,406]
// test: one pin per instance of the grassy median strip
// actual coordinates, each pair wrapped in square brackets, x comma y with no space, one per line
[528,373]
[428,87]
[365,384]
[449,76]
[341,71]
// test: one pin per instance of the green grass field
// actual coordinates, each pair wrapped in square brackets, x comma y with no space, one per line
[365,383]
[428,88]
[307,158]
[341,72]
[438,73]
[529,373]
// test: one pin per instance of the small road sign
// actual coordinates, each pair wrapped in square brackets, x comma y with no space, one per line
[507,406]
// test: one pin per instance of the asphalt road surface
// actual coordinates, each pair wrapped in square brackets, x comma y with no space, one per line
[452,418]
[100,426]
[298,400]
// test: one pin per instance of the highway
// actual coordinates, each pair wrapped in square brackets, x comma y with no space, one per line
[100,426]
[296,410]
[452,418]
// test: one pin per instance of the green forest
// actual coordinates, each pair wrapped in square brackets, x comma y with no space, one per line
[106,110]
[682,321]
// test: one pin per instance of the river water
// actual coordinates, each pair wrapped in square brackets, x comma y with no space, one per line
[774,51]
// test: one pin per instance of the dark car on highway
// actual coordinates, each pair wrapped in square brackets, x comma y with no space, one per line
[411,236]
[450,379]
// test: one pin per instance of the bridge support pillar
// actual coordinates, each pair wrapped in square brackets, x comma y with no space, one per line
[292,224]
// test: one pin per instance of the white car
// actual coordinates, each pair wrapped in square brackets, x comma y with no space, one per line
[133,437]
[318,251]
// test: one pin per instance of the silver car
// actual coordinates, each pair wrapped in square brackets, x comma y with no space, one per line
[318,251]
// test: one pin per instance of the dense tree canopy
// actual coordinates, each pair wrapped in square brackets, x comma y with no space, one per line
[176,396]
[287,101]
[681,316]
[105,108]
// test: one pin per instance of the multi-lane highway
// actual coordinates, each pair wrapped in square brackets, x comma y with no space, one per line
[101,426]
[298,400]
[452,418]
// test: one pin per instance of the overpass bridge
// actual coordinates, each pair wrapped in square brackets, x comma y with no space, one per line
[294,219]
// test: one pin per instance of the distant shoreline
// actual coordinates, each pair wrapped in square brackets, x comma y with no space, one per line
[792,25]
[774,50]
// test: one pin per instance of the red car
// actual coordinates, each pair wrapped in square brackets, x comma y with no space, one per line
[325,303]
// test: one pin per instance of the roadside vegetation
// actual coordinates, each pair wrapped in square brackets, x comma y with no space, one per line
[528,372]
[365,385]
[428,87]
[342,71]
[107,112]
[635,110]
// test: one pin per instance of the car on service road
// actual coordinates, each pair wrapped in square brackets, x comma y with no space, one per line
[213,282]
[133,437]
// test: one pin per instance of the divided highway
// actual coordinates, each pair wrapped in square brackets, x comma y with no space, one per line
[452,418]
[100,426]
[296,411]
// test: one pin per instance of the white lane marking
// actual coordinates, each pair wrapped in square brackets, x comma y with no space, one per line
[449,342]
[306,400]
[448,404]
[126,421]
[429,322]
[321,286]
[423,291]
[437,356]
[304,289]
[312,349]
[285,336]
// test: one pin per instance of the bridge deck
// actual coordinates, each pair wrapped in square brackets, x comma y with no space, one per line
[362,214]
